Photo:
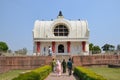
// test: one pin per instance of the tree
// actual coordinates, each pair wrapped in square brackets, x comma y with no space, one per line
[105,47]
[91,46]
[118,47]
[9,51]
[21,51]
[94,49]
[3,47]
[24,51]
[108,47]
[112,48]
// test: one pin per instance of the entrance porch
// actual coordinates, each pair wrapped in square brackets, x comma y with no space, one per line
[61,48]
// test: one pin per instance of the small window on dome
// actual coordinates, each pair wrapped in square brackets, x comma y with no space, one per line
[61,30]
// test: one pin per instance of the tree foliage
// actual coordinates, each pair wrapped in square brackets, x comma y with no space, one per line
[90,46]
[21,51]
[94,49]
[108,47]
[118,47]
[3,46]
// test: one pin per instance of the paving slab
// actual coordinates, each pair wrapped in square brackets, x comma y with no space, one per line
[64,76]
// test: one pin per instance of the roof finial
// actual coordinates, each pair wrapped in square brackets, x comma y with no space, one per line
[60,14]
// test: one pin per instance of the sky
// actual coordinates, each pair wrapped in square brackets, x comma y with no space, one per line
[17,19]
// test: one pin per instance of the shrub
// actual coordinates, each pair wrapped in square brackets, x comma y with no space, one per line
[43,71]
[36,74]
[85,74]
[28,76]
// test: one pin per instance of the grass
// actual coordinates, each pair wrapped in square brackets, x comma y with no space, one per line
[10,75]
[108,73]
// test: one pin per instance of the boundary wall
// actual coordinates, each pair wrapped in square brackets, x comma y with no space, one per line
[30,62]
[23,62]
[96,60]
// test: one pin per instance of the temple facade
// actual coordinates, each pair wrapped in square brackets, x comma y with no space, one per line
[65,37]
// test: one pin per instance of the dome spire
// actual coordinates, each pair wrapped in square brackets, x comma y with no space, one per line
[60,15]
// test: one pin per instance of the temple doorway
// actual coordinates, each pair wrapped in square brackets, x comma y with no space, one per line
[60,48]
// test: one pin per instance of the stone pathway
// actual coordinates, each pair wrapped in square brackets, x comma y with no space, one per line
[64,76]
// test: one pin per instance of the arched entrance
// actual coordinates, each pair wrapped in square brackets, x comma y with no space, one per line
[60,48]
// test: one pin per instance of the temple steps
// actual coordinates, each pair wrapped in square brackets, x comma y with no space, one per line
[61,57]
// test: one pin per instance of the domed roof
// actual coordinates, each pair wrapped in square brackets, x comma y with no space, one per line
[78,29]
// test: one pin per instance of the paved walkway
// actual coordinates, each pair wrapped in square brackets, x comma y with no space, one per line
[64,76]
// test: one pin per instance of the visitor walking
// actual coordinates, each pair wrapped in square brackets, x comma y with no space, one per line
[58,68]
[44,51]
[53,65]
[50,51]
[69,65]
[64,66]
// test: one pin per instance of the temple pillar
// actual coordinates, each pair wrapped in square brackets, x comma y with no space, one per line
[83,46]
[38,47]
[53,47]
[68,47]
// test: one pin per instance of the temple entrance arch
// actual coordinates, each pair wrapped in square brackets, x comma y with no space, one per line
[61,48]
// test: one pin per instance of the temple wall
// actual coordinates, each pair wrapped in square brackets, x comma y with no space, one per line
[76,48]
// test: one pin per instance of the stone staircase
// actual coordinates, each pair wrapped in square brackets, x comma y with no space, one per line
[61,57]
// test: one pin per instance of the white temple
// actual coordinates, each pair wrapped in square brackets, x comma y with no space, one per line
[66,37]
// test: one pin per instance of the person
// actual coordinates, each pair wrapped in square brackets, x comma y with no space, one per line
[58,68]
[50,51]
[53,65]
[34,54]
[69,65]
[64,66]
[44,50]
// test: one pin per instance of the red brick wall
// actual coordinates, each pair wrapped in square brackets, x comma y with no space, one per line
[23,62]
[96,60]
[31,62]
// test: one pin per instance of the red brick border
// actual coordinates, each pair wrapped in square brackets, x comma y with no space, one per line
[23,62]
[96,60]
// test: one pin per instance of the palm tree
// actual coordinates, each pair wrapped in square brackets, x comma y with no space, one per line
[91,47]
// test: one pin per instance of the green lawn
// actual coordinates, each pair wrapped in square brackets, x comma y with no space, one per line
[10,75]
[108,73]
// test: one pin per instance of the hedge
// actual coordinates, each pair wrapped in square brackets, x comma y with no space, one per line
[36,74]
[85,74]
